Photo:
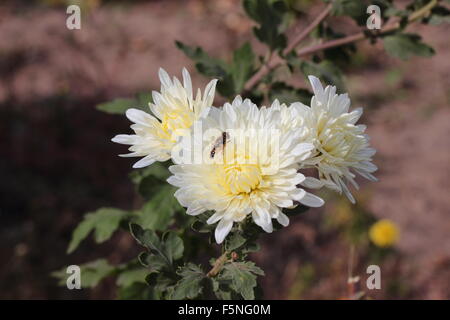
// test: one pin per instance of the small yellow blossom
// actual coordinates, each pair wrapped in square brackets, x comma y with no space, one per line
[384,233]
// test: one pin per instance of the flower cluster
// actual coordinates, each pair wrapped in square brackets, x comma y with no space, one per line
[241,159]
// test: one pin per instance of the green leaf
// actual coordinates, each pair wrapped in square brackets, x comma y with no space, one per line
[242,67]
[205,64]
[158,212]
[120,105]
[210,67]
[269,14]
[406,45]
[325,71]
[170,247]
[162,284]
[243,277]
[288,94]
[91,273]
[116,106]
[151,261]
[234,241]
[104,222]
[356,9]
[251,247]
[190,284]
[136,291]
[340,55]
[173,246]
[130,276]
[147,238]
[156,170]
[202,226]
[439,15]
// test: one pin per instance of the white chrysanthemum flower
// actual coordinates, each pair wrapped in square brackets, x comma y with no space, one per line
[241,178]
[341,144]
[174,110]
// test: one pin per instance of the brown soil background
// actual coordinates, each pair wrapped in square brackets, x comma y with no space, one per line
[56,160]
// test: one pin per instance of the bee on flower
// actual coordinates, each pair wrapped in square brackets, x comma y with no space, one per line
[241,179]
[250,159]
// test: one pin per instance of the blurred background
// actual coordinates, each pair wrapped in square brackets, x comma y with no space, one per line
[57,161]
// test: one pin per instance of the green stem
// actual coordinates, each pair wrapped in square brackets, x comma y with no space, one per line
[276,61]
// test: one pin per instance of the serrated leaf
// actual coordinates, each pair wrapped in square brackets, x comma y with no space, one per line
[243,277]
[170,247]
[116,106]
[173,246]
[202,227]
[242,66]
[269,15]
[210,67]
[120,105]
[251,247]
[104,222]
[136,291]
[406,45]
[190,284]
[439,15]
[205,64]
[288,94]
[91,273]
[158,212]
[131,276]
[327,71]
[156,170]
[146,238]
[356,9]
[151,261]
[162,284]
[340,55]
[234,241]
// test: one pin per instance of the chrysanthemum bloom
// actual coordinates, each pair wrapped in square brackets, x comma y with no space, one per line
[251,167]
[341,146]
[174,110]
[384,233]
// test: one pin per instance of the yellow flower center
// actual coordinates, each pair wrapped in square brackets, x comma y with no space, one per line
[236,173]
[241,178]
[173,121]
[337,141]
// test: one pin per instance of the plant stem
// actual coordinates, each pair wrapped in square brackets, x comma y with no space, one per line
[217,265]
[301,36]
[276,60]
[422,12]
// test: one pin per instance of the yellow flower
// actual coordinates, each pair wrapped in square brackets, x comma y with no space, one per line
[384,233]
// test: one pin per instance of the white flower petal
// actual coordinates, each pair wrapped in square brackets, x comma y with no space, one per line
[144,162]
[283,219]
[222,230]
[311,200]
[312,183]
